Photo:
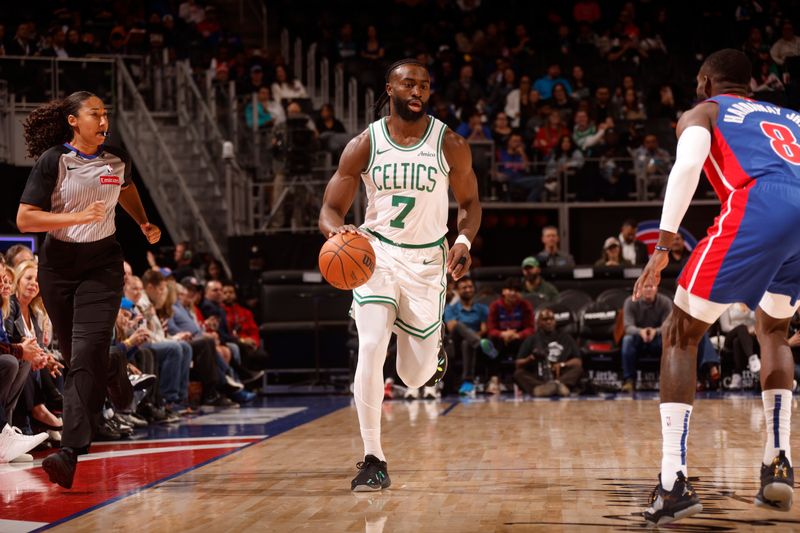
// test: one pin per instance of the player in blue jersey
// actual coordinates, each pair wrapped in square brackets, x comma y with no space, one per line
[751,155]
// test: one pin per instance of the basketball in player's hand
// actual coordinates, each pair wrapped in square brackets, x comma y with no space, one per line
[347,261]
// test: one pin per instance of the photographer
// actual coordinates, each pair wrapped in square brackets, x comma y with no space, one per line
[549,362]
[293,144]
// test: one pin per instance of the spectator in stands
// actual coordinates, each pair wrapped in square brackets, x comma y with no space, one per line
[74,46]
[327,122]
[23,42]
[678,254]
[588,136]
[643,319]
[27,319]
[497,98]
[766,78]
[612,255]
[173,361]
[632,109]
[562,103]
[603,107]
[737,323]
[332,135]
[651,163]
[346,48]
[634,250]
[518,102]
[501,129]
[580,89]
[209,28]
[565,161]
[254,82]
[253,358]
[551,256]
[264,119]
[58,40]
[241,323]
[548,362]
[522,52]
[16,362]
[533,283]
[18,253]
[286,86]
[787,46]
[182,259]
[754,44]
[465,83]
[465,321]
[203,349]
[546,83]
[130,335]
[214,271]
[474,129]
[513,166]
[550,134]
[666,107]
[372,52]
[510,321]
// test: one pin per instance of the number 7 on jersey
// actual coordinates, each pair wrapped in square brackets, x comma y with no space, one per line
[408,203]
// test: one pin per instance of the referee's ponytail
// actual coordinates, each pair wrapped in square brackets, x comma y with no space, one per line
[47,125]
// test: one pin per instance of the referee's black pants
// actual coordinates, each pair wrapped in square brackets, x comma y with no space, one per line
[81,285]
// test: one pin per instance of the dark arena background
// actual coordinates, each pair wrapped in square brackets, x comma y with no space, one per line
[235,114]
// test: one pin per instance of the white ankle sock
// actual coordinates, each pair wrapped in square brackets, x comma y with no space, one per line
[778,418]
[674,433]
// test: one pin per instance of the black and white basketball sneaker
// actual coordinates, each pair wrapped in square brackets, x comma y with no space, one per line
[441,368]
[668,506]
[777,482]
[372,475]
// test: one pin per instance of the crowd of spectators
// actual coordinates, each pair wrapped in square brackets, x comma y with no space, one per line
[529,334]
[183,343]
[578,100]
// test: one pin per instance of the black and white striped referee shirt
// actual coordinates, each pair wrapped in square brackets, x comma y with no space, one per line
[64,180]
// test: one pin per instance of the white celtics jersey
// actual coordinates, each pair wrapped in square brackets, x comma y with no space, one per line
[407,186]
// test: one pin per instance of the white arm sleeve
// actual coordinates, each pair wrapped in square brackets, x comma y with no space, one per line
[693,148]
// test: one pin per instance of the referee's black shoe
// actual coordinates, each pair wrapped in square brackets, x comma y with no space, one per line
[441,368]
[777,482]
[372,475]
[668,506]
[60,467]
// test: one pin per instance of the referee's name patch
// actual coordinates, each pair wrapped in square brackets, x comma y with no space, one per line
[109,180]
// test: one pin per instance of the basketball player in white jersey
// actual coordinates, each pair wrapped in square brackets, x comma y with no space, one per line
[406,160]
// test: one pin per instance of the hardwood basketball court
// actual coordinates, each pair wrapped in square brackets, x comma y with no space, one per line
[486,465]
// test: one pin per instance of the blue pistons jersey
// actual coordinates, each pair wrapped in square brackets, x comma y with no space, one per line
[753,246]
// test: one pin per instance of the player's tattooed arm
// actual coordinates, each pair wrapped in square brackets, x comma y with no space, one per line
[343,186]
[465,189]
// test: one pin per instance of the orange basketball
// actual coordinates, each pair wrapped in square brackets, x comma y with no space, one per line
[347,261]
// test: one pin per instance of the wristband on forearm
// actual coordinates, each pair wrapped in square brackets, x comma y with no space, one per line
[462,239]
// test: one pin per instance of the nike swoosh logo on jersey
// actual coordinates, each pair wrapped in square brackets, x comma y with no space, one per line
[71,168]
[426,262]
[379,152]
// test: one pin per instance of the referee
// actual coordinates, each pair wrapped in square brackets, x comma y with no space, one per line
[71,194]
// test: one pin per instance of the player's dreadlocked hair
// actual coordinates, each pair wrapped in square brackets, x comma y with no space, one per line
[729,65]
[47,125]
[383,99]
